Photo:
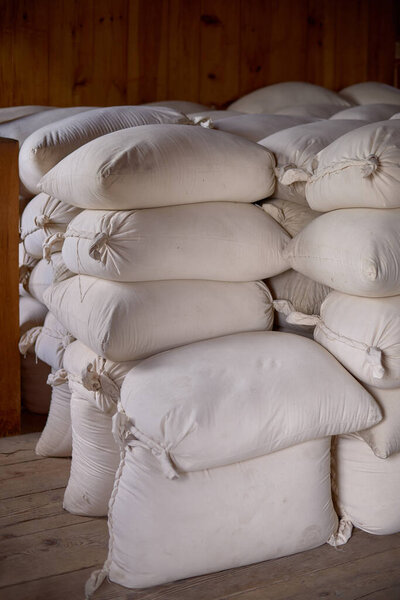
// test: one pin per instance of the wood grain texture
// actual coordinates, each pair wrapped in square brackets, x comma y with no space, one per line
[10,402]
[104,52]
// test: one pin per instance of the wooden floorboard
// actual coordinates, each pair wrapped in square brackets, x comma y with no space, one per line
[48,554]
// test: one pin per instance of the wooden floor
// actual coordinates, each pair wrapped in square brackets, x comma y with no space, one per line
[47,554]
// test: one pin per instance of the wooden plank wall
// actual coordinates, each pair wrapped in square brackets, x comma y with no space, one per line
[104,52]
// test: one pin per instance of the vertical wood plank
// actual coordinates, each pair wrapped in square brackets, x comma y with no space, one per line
[10,404]
[288,41]
[254,44]
[110,52]
[148,51]
[351,42]
[8,13]
[31,52]
[321,35]
[184,50]
[219,51]
[381,40]
[71,56]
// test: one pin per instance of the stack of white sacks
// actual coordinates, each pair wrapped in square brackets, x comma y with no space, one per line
[43,222]
[192,423]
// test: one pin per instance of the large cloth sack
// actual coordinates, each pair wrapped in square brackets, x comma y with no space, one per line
[339,250]
[19,129]
[221,241]
[257,127]
[32,313]
[128,321]
[44,273]
[371,92]
[295,150]
[203,116]
[56,437]
[163,530]
[49,341]
[315,111]
[362,333]
[9,113]
[289,93]
[360,169]
[366,487]
[384,438]
[43,217]
[368,112]
[48,145]
[162,165]
[94,384]
[239,410]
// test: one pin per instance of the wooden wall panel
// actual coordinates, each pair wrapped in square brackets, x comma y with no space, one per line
[147,50]
[103,52]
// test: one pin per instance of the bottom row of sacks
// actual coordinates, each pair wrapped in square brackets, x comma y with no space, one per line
[218,454]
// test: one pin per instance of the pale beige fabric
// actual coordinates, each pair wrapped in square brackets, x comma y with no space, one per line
[371,92]
[359,169]
[222,241]
[162,165]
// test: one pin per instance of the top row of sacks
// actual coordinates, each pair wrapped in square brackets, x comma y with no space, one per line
[162,165]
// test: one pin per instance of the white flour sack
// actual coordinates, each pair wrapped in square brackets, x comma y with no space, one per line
[221,241]
[225,400]
[291,216]
[356,251]
[49,341]
[9,113]
[162,165]
[56,437]
[295,150]
[180,105]
[48,145]
[205,521]
[371,92]
[95,388]
[257,127]
[367,488]
[128,321]
[315,111]
[45,217]
[44,274]
[289,93]
[362,333]
[384,438]
[31,313]
[360,169]
[368,112]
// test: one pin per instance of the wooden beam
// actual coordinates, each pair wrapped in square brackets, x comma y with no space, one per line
[10,400]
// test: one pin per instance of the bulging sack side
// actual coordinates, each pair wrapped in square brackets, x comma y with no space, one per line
[43,217]
[220,241]
[226,400]
[162,165]
[295,151]
[46,146]
[360,169]
[355,251]
[129,321]
[363,334]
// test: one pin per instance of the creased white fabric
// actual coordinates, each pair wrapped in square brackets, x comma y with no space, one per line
[162,165]
[355,251]
[220,401]
[222,241]
[128,321]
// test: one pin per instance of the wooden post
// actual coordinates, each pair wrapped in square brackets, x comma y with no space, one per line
[10,396]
